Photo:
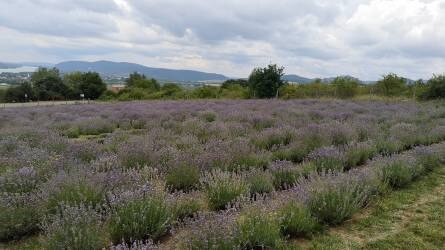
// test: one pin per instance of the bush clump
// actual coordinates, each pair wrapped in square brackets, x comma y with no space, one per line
[257,230]
[388,147]
[272,138]
[211,232]
[328,159]
[74,228]
[293,154]
[186,207]
[333,199]
[398,174]
[297,221]
[223,188]
[427,159]
[140,219]
[95,126]
[183,177]
[260,183]
[74,194]
[285,174]
[18,221]
[358,154]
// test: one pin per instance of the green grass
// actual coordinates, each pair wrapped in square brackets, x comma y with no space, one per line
[410,218]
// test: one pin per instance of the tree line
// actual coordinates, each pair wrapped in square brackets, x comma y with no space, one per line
[48,84]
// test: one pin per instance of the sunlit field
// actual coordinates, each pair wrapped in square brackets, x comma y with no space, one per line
[234,174]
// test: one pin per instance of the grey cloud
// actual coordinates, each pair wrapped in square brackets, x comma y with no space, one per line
[319,38]
[60,18]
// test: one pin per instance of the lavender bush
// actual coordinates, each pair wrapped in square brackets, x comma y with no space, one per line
[141,219]
[296,220]
[77,227]
[223,188]
[332,197]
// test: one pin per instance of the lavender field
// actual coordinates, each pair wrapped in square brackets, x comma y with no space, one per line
[247,174]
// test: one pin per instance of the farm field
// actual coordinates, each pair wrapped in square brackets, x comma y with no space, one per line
[245,174]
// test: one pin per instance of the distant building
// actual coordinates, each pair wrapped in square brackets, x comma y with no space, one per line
[116,88]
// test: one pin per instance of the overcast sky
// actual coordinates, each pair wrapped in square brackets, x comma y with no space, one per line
[318,38]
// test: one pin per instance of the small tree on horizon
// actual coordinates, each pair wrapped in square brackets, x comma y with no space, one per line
[391,85]
[345,87]
[140,81]
[265,82]
[435,87]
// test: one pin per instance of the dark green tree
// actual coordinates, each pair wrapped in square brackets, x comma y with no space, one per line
[49,86]
[391,85]
[265,82]
[232,82]
[90,84]
[42,73]
[22,93]
[435,87]
[137,80]
[72,81]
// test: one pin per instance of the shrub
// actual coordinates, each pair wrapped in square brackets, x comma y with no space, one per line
[391,85]
[435,87]
[186,207]
[223,188]
[328,158]
[358,154]
[406,134]
[427,159]
[333,199]
[72,132]
[285,174]
[136,245]
[183,177]
[345,87]
[260,183]
[206,92]
[95,127]
[23,180]
[246,162]
[272,138]
[147,218]
[296,220]
[398,173]
[209,116]
[216,232]
[74,228]
[293,154]
[18,221]
[388,147]
[258,230]
[75,194]
[212,240]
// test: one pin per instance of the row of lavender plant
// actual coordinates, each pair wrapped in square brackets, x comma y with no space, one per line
[48,165]
[323,199]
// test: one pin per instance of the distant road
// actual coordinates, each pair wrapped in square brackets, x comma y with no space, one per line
[45,103]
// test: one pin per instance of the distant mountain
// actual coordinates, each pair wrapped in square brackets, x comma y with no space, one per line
[297,78]
[37,64]
[124,69]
